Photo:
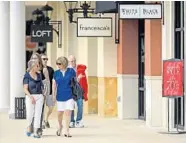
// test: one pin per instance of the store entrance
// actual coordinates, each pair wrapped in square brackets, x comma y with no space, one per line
[141,71]
[179,103]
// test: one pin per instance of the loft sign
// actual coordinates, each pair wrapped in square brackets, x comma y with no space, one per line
[41,33]
[140,11]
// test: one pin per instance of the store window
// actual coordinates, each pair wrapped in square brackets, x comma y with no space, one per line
[179,54]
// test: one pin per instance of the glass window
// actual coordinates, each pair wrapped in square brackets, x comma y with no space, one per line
[179,29]
[177,14]
[179,54]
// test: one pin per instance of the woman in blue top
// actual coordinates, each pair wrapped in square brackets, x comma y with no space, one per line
[33,88]
[62,92]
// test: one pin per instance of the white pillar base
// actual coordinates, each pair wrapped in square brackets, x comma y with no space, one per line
[128,96]
[156,105]
[4,110]
[153,101]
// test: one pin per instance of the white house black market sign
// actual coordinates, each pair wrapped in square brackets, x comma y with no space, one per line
[140,11]
[94,27]
[41,33]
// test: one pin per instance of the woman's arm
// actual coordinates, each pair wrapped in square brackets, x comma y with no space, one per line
[54,89]
[25,86]
[44,88]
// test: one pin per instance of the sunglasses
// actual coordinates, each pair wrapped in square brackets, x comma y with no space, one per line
[72,61]
[45,59]
[58,64]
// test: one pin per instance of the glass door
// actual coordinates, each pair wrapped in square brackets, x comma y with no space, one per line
[141,71]
[179,103]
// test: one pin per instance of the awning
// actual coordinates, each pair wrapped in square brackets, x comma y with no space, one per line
[111,6]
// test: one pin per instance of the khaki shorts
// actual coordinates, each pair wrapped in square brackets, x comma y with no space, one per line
[49,101]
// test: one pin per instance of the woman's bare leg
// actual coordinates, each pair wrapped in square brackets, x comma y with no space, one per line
[60,119]
[50,109]
[67,121]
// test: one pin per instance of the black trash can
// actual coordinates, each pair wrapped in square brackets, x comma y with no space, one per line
[20,108]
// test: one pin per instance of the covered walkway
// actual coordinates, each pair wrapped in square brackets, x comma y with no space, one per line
[97,130]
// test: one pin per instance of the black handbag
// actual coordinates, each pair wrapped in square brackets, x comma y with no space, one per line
[77,91]
[74,95]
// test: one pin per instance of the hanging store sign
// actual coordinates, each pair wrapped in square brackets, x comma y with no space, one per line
[41,33]
[94,27]
[172,78]
[140,11]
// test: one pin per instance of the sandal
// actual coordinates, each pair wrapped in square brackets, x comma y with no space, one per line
[40,132]
[37,136]
[28,134]
[67,135]
[58,132]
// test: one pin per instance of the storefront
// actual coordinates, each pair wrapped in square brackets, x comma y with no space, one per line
[143,45]
[125,76]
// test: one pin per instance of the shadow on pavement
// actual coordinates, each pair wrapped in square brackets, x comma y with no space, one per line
[173,133]
[48,136]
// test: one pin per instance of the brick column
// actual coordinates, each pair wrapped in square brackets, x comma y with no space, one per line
[153,48]
[153,63]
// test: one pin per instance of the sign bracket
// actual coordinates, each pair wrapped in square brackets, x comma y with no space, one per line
[58,31]
[117,29]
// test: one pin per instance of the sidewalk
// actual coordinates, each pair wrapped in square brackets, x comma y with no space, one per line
[97,130]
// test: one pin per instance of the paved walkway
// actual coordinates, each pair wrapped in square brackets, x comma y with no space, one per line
[97,130]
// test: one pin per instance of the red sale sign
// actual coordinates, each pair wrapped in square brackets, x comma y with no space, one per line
[172,78]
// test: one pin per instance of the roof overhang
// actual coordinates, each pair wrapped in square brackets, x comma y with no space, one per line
[111,6]
[35,3]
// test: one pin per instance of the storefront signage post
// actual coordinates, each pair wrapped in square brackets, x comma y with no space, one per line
[173,83]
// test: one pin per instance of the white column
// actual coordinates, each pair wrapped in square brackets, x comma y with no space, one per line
[17,52]
[4,57]
[106,72]
[167,53]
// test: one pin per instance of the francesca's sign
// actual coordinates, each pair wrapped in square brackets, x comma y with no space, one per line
[41,33]
[140,11]
[94,27]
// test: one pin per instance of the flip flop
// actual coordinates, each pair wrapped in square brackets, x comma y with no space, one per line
[58,132]
[67,135]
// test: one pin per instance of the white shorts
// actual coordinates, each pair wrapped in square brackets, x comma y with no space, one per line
[65,105]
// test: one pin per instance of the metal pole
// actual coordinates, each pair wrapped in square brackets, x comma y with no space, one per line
[168,116]
[177,115]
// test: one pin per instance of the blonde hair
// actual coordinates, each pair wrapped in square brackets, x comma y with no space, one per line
[31,64]
[39,60]
[63,61]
